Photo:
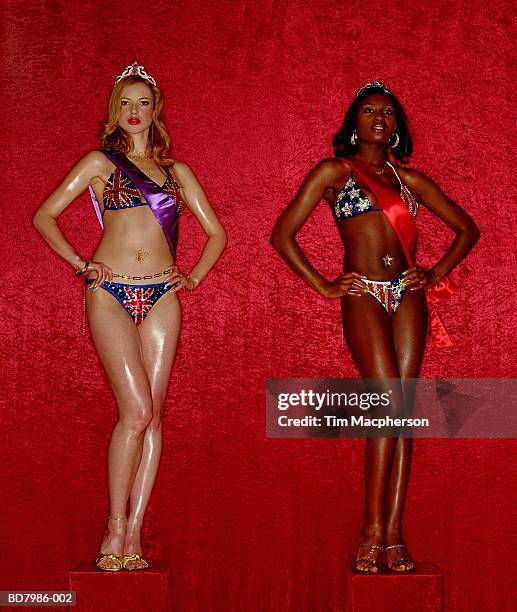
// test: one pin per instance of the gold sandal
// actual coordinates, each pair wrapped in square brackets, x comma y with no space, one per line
[369,559]
[136,557]
[404,559]
[111,556]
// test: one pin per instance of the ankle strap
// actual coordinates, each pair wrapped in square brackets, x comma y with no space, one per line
[117,518]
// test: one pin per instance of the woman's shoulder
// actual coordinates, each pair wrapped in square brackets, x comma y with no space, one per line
[97,166]
[333,168]
[96,160]
[179,166]
[181,172]
[412,177]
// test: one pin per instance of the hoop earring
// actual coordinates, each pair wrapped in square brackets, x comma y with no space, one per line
[396,143]
[353,138]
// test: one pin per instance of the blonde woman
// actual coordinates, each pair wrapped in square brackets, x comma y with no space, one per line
[132,282]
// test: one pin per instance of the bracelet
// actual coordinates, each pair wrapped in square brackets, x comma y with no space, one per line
[81,272]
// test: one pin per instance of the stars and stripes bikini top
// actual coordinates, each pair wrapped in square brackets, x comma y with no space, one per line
[120,192]
[352,201]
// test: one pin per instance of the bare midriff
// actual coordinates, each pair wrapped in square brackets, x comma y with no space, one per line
[133,244]
[368,238]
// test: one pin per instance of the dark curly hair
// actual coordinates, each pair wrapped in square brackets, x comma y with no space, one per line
[341,142]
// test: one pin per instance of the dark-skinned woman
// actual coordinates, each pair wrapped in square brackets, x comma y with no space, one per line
[387,300]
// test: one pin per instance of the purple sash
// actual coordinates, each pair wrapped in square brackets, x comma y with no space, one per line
[164,207]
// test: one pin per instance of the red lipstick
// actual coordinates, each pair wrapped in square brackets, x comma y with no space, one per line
[133,121]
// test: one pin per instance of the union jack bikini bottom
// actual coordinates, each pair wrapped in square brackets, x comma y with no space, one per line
[136,299]
[388,293]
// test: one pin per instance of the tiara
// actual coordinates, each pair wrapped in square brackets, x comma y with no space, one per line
[375,84]
[135,70]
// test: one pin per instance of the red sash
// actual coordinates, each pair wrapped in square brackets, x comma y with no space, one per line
[405,228]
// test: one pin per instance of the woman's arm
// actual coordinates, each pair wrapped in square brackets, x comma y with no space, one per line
[88,169]
[197,202]
[433,198]
[283,238]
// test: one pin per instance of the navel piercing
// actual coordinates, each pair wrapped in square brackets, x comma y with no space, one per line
[387,260]
[141,255]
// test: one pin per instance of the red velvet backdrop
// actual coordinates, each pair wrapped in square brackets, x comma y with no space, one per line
[254,92]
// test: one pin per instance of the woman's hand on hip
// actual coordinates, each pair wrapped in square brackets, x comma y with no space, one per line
[102,271]
[178,280]
[417,278]
[350,283]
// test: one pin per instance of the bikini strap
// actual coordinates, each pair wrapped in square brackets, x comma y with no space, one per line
[396,173]
[172,177]
[117,177]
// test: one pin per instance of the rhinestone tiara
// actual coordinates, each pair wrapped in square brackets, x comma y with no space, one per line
[370,85]
[135,70]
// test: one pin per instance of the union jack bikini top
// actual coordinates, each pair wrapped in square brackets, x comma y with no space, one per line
[120,192]
[352,201]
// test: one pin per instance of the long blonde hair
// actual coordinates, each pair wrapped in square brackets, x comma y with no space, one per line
[112,136]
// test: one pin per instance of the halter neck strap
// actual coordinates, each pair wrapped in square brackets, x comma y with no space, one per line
[395,172]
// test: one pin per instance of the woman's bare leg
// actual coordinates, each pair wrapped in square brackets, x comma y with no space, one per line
[369,336]
[159,335]
[409,331]
[118,345]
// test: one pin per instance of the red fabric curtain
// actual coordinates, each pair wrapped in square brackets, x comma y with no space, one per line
[254,92]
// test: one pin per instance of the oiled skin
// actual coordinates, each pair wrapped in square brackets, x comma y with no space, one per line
[381,347]
[137,359]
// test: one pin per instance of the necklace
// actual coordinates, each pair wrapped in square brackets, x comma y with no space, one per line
[381,171]
[139,155]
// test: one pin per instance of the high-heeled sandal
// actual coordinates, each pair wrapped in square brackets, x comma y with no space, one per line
[136,557]
[111,556]
[368,559]
[404,559]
